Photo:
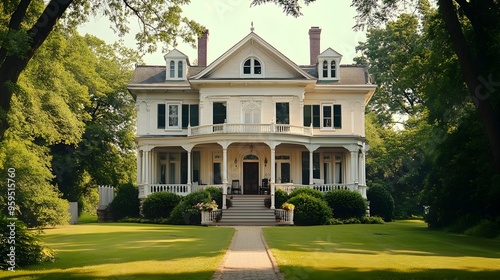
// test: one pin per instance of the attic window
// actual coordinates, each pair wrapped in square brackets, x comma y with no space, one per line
[252,66]
[176,69]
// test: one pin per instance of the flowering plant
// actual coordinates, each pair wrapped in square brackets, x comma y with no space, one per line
[206,206]
[287,206]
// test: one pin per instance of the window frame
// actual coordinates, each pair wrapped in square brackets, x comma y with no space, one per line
[178,126]
[252,67]
[335,116]
[330,67]
[176,69]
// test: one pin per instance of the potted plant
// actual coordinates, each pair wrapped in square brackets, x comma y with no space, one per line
[287,206]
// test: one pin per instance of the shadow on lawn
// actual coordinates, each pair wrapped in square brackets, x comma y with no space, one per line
[307,273]
[204,275]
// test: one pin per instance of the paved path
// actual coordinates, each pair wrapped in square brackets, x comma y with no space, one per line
[248,258]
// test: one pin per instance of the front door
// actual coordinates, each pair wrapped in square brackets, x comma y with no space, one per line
[250,177]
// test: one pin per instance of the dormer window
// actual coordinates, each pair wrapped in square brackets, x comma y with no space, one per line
[329,69]
[176,69]
[252,66]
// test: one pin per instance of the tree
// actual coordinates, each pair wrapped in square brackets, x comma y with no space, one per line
[105,153]
[25,25]
[476,48]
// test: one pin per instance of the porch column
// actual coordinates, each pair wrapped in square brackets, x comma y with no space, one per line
[224,165]
[188,148]
[139,167]
[146,166]
[273,176]
[362,173]
[143,167]
[354,167]
[311,158]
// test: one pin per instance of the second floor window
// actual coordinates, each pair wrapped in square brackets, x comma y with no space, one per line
[282,113]
[332,116]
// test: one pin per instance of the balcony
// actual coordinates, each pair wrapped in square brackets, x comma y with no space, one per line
[250,128]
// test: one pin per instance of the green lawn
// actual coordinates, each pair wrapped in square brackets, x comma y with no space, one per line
[398,250]
[130,251]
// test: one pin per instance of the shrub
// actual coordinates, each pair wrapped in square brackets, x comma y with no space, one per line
[29,249]
[308,191]
[216,195]
[485,228]
[126,203]
[159,205]
[280,197]
[310,210]
[346,204]
[184,213]
[381,203]
[372,220]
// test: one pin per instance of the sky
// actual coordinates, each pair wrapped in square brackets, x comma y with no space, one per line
[229,21]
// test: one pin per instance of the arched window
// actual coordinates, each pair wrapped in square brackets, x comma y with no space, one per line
[172,69]
[333,69]
[179,69]
[325,69]
[256,67]
[247,67]
[252,67]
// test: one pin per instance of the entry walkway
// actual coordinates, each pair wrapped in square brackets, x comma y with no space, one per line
[248,258]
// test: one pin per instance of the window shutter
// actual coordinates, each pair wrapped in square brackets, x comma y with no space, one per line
[161,116]
[337,116]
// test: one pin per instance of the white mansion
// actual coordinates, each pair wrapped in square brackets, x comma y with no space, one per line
[252,121]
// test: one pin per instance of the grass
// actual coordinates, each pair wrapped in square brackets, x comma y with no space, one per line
[398,250]
[130,251]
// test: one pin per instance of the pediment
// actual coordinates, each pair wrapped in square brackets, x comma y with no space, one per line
[274,64]
[330,53]
[175,53]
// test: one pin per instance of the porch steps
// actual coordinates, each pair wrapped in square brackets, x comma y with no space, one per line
[248,210]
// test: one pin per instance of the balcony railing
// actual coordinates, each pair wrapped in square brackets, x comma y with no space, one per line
[250,128]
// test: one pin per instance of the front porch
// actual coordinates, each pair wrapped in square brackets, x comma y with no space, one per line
[184,189]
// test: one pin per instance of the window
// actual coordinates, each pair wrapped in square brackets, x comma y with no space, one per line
[175,69]
[179,69]
[329,69]
[190,115]
[173,116]
[332,116]
[161,116]
[252,66]
[312,115]
[325,69]
[219,113]
[172,69]
[282,113]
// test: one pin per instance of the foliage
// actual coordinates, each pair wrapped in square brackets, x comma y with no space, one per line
[381,202]
[310,210]
[38,203]
[28,247]
[216,195]
[126,203]
[346,204]
[159,205]
[308,191]
[280,197]
[292,8]
[485,228]
[184,213]
[206,206]
[287,206]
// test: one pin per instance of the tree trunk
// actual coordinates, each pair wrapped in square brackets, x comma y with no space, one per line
[479,84]
[12,66]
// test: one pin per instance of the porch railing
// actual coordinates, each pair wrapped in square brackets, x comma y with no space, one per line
[288,188]
[210,218]
[283,216]
[180,189]
[250,128]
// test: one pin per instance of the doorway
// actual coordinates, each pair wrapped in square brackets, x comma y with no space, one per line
[250,177]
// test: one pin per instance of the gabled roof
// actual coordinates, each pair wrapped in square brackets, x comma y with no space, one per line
[254,39]
[330,53]
[175,53]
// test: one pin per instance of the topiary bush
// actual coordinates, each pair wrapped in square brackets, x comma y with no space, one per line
[184,213]
[308,191]
[160,205]
[310,210]
[381,203]
[28,247]
[346,204]
[126,203]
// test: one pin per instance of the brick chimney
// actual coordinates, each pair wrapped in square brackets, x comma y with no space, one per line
[314,44]
[202,49]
